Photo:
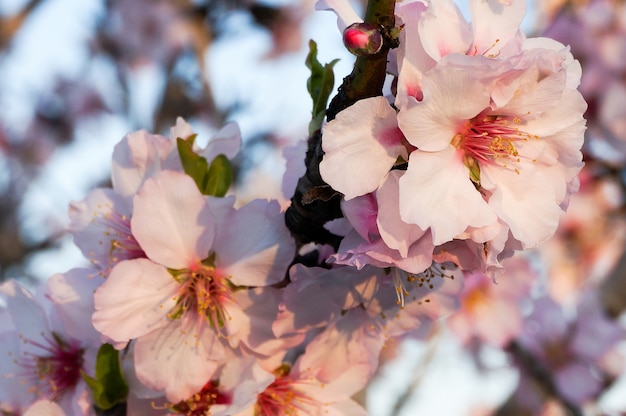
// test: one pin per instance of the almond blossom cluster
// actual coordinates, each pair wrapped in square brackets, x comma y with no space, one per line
[196,302]
[480,146]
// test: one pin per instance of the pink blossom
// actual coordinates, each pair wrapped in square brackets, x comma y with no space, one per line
[563,345]
[364,308]
[234,388]
[497,139]
[100,223]
[490,310]
[379,236]
[50,344]
[305,389]
[180,303]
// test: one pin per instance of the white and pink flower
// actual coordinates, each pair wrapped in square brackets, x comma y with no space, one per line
[181,302]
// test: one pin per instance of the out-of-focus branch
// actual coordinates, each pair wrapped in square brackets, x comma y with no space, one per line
[613,289]
[10,25]
[314,202]
[541,378]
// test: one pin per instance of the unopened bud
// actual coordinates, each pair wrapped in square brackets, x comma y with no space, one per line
[362,39]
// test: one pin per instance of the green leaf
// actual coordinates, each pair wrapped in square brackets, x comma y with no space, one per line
[219,177]
[213,180]
[320,85]
[194,165]
[109,387]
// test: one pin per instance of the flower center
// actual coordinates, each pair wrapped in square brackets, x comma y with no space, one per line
[200,403]
[203,292]
[491,139]
[280,398]
[476,299]
[54,372]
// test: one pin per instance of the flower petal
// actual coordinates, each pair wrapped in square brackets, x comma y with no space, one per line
[178,359]
[255,248]
[72,294]
[136,158]
[433,190]
[172,221]
[443,30]
[494,24]
[453,94]
[526,202]
[134,300]
[361,145]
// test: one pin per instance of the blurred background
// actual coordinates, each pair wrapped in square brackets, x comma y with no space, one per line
[76,76]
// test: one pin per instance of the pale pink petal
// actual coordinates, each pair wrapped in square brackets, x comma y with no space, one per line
[134,300]
[433,190]
[363,140]
[178,359]
[525,201]
[413,60]
[27,314]
[172,221]
[136,158]
[259,307]
[531,98]
[494,24]
[181,130]
[227,142]
[44,408]
[294,315]
[343,348]
[100,225]
[345,407]
[255,247]
[498,323]
[243,378]
[443,30]
[452,95]
[361,213]
[396,233]
[14,387]
[571,65]
[294,167]
[73,297]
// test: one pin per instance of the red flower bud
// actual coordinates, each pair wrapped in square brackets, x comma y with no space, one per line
[362,39]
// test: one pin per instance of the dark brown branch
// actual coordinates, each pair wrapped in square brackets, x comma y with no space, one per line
[314,202]
[368,76]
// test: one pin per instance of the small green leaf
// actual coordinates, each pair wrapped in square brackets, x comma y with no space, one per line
[219,177]
[109,386]
[320,85]
[194,165]
[213,180]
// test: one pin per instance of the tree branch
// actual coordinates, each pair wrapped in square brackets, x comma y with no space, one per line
[314,202]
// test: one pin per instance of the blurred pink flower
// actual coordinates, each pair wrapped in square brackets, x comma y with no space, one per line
[571,348]
[51,341]
[490,310]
